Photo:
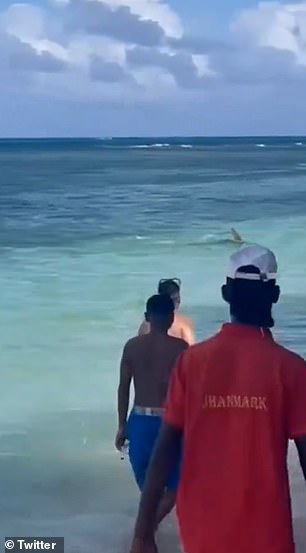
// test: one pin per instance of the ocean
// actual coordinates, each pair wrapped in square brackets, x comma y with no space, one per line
[87,228]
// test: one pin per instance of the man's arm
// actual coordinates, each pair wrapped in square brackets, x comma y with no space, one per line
[164,459]
[123,397]
[296,405]
[189,333]
[301,447]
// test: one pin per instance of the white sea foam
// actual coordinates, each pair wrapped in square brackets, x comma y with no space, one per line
[142,146]
[261,145]
[161,145]
[139,146]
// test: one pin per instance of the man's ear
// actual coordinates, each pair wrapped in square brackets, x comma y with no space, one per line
[276,294]
[146,316]
[225,293]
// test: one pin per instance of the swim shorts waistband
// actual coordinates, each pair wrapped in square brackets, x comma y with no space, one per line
[149,411]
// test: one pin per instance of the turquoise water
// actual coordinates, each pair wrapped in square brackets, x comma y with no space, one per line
[87,227]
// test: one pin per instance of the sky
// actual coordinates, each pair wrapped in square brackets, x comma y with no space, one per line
[152,68]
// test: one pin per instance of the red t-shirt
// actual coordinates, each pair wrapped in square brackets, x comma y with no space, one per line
[238,398]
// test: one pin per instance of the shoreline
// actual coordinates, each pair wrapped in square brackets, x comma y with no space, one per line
[88,495]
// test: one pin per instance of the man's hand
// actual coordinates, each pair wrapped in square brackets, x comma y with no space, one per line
[120,438]
[301,447]
[143,546]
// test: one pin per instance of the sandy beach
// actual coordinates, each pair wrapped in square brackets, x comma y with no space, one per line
[92,501]
[298,488]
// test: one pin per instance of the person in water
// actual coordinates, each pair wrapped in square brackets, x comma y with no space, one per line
[182,326]
[237,399]
[148,361]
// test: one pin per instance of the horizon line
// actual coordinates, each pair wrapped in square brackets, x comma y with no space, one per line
[151,136]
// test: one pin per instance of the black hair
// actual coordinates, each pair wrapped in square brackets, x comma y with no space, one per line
[169,286]
[160,304]
[251,301]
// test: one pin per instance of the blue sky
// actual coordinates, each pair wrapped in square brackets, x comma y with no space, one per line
[152,67]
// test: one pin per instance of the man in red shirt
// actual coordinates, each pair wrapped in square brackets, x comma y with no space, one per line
[237,399]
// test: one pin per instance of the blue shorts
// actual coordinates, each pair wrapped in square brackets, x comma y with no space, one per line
[142,431]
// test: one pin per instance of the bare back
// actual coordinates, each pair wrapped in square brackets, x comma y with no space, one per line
[151,359]
[182,328]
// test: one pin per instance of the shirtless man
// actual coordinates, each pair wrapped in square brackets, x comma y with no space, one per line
[148,361]
[182,326]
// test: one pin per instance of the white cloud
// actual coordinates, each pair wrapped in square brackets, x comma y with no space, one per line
[106,71]
[17,55]
[26,58]
[274,25]
[142,37]
[152,10]
[23,20]
[155,10]
[96,17]
[136,51]
[180,65]
[203,66]
[31,25]
[92,38]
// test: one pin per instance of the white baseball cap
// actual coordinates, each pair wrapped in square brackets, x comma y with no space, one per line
[257,256]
